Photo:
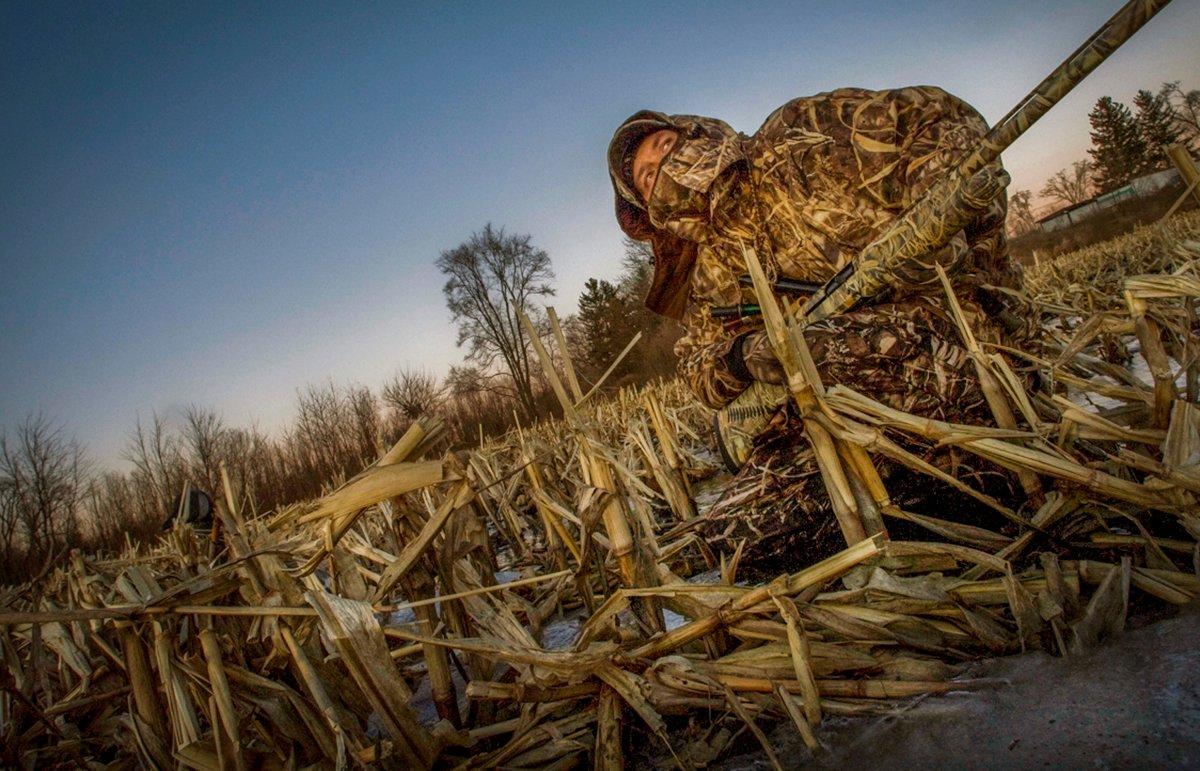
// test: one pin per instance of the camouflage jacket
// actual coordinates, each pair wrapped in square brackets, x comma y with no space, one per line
[821,179]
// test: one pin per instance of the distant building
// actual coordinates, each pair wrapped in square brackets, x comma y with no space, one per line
[1138,188]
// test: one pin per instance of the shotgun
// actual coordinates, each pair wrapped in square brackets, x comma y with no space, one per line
[904,254]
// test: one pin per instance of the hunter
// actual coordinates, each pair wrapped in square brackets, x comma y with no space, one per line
[821,179]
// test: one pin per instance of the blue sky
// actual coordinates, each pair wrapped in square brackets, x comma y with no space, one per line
[219,203]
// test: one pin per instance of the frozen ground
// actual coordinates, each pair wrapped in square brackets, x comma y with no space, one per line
[1133,703]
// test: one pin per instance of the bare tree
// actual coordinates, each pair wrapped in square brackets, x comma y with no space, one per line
[1070,186]
[254,465]
[364,412]
[1185,109]
[411,393]
[637,267]
[44,476]
[157,461]
[1020,213]
[204,438]
[324,443]
[336,433]
[476,402]
[113,508]
[491,278]
[10,516]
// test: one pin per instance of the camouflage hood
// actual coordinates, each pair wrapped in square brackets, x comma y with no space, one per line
[821,178]
[679,210]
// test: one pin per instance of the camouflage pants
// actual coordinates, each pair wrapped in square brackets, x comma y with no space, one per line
[904,355]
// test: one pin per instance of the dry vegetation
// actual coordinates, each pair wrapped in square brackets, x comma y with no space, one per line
[1097,271]
[311,634]
[52,497]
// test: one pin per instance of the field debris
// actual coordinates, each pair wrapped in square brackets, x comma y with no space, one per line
[400,620]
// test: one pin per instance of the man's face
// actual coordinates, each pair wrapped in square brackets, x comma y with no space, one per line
[646,160]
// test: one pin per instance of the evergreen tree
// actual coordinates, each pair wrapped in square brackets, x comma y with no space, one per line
[1156,124]
[604,323]
[656,351]
[1117,148]
[611,313]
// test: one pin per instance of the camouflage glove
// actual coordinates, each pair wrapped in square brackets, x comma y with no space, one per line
[751,358]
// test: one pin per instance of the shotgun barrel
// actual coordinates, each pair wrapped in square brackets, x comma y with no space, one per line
[950,204]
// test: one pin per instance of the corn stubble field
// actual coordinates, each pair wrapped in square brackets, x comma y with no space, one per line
[541,601]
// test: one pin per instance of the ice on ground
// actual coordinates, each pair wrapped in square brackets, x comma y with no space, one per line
[402,617]
[560,634]
[1139,368]
[672,619]
[506,576]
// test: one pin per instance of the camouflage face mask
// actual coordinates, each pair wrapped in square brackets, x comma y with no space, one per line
[681,201]
[678,209]
[706,148]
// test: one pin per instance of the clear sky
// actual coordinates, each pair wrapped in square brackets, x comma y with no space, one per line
[219,203]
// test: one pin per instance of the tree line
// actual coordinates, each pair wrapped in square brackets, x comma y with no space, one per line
[1126,144]
[53,497]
